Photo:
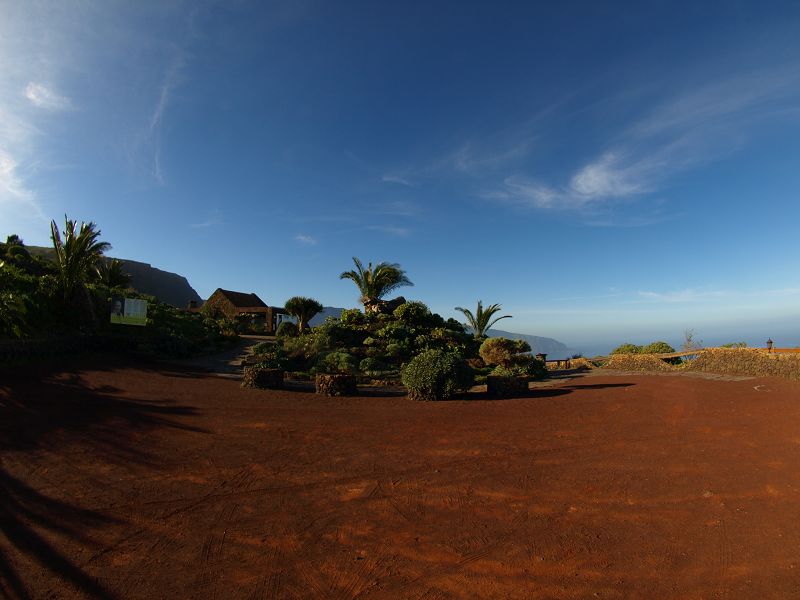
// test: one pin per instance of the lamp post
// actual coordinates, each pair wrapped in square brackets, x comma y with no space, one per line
[769,345]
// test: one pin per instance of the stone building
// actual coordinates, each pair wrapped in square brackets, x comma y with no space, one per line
[245,307]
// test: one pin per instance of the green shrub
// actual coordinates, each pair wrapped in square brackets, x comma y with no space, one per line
[657,348]
[286,329]
[372,366]
[338,363]
[436,374]
[414,314]
[264,347]
[352,317]
[537,369]
[502,351]
[272,357]
[627,349]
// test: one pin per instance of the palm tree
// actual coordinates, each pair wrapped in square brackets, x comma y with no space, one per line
[304,309]
[77,254]
[110,273]
[376,282]
[482,320]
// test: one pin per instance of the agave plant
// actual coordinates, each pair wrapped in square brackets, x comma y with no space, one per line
[375,282]
[481,321]
[77,254]
[304,309]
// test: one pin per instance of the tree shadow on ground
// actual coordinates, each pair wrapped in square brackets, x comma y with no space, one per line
[599,386]
[538,392]
[62,411]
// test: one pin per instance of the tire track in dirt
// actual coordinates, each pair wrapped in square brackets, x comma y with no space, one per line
[400,474]
[211,552]
[439,570]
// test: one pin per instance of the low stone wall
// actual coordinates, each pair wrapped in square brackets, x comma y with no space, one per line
[260,377]
[336,385]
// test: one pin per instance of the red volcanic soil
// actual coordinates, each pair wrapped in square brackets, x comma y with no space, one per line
[150,482]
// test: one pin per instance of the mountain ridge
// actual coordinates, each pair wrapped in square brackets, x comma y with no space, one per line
[168,287]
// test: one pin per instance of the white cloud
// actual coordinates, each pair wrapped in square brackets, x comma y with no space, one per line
[45,97]
[305,239]
[388,178]
[604,179]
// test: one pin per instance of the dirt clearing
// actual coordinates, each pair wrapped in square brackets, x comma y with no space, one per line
[152,482]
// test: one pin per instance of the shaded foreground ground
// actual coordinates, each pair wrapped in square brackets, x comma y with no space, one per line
[151,483]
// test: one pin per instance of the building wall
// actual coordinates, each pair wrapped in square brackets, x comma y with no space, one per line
[218,302]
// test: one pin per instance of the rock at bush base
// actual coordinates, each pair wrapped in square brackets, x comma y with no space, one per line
[259,377]
[336,385]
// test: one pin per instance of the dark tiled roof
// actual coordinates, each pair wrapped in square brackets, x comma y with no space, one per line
[242,300]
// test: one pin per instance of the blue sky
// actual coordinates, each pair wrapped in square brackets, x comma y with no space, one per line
[606,171]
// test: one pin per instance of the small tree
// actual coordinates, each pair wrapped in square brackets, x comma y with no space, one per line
[304,309]
[689,340]
[77,252]
[481,321]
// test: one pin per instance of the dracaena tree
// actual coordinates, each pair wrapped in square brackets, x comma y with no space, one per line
[304,309]
[481,321]
[375,282]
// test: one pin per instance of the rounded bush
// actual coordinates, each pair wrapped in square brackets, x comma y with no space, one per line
[338,363]
[412,313]
[435,374]
[352,317]
[502,351]
[627,349]
[286,329]
[372,366]
[657,348]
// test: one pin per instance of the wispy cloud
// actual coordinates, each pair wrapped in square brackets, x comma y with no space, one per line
[693,295]
[686,295]
[153,132]
[692,128]
[391,230]
[389,178]
[469,158]
[46,97]
[305,239]
[215,218]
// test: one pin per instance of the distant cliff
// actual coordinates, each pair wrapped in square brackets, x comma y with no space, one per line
[169,288]
[553,348]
